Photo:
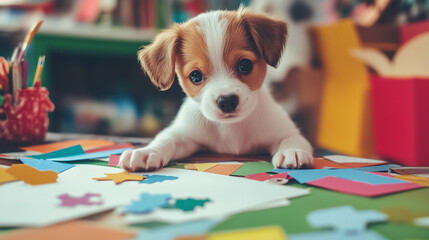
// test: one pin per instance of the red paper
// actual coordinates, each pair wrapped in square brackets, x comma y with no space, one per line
[265,176]
[400,119]
[113,160]
[409,31]
[360,188]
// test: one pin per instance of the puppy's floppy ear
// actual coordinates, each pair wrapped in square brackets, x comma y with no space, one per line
[158,59]
[269,35]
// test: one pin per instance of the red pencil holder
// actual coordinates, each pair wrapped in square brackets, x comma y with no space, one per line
[401,119]
[27,120]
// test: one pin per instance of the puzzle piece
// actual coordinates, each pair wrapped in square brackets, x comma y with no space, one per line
[148,202]
[333,235]
[120,177]
[344,219]
[31,175]
[5,176]
[189,204]
[157,178]
[87,200]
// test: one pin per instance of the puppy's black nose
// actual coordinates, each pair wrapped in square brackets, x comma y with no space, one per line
[227,104]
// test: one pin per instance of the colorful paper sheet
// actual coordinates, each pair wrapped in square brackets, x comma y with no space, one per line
[415,179]
[304,176]
[157,178]
[110,147]
[266,176]
[148,202]
[332,235]
[171,232]
[349,159]
[31,175]
[252,168]
[114,160]
[44,165]
[344,218]
[88,199]
[202,167]
[70,231]
[402,215]
[85,143]
[378,168]
[5,176]
[120,177]
[271,232]
[65,152]
[224,169]
[360,188]
[87,156]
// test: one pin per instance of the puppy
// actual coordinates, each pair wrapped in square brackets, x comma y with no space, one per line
[220,59]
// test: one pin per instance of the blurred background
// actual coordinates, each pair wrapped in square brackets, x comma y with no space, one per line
[97,86]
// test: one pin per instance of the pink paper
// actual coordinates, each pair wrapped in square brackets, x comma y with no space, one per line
[360,188]
[87,199]
[265,176]
[113,160]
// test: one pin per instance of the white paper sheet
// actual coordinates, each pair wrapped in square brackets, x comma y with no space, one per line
[26,205]
[348,159]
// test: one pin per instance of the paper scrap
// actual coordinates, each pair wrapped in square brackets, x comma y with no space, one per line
[190,167]
[333,235]
[5,176]
[148,202]
[31,175]
[253,168]
[188,204]
[271,232]
[70,231]
[224,169]
[88,199]
[378,168]
[344,218]
[415,179]
[202,167]
[171,232]
[114,160]
[303,176]
[44,165]
[120,177]
[361,188]
[348,159]
[84,143]
[157,178]
[266,176]
[65,152]
[87,156]
[424,221]
[402,215]
[110,147]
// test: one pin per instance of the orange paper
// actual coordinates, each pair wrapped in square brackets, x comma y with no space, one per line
[31,175]
[5,176]
[324,163]
[415,179]
[121,177]
[70,231]
[85,143]
[224,169]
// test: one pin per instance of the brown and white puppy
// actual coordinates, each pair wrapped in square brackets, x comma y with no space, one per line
[220,59]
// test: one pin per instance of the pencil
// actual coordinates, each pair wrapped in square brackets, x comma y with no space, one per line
[39,69]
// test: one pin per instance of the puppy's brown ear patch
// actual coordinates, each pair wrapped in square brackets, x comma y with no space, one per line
[158,58]
[269,35]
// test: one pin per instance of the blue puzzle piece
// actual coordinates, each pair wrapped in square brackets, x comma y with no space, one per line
[148,202]
[344,219]
[157,178]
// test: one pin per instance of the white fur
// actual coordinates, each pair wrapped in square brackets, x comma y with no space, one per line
[257,125]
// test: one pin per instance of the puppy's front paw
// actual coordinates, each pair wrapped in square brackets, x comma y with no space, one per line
[292,158]
[146,159]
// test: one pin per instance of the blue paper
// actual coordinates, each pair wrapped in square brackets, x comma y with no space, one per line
[157,178]
[148,202]
[332,235]
[44,165]
[87,156]
[304,176]
[378,168]
[65,152]
[344,219]
[171,232]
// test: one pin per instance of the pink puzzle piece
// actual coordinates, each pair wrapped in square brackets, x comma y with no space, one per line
[70,201]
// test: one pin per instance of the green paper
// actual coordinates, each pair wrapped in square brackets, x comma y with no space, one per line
[65,152]
[188,204]
[253,168]
[1,100]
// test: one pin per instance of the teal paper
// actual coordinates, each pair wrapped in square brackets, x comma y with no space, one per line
[65,152]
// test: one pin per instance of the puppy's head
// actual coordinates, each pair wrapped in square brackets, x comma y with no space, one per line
[220,59]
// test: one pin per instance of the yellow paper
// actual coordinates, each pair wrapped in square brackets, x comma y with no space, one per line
[190,167]
[121,177]
[5,176]
[415,179]
[345,121]
[31,175]
[271,233]
[202,167]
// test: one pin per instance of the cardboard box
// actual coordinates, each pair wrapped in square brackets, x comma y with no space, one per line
[400,113]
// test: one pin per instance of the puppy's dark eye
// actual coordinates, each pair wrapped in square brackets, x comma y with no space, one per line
[196,77]
[245,66]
